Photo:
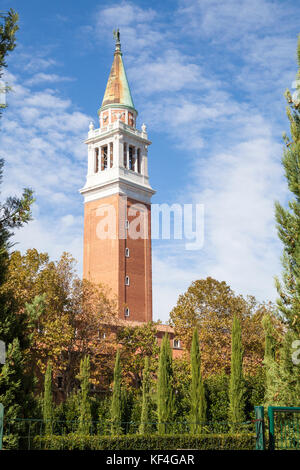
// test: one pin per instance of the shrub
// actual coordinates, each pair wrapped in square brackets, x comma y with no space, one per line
[150,442]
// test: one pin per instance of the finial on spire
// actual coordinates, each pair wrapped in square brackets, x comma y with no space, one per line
[116,34]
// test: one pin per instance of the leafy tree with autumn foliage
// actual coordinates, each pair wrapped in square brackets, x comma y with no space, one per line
[210,306]
[72,322]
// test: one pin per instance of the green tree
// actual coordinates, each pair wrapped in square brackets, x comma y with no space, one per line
[8,28]
[15,385]
[288,219]
[285,373]
[146,400]
[138,343]
[48,401]
[198,402]
[269,358]
[165,393]
[283,385]
[85,416]
[236,383]
[210,305]
[116,403]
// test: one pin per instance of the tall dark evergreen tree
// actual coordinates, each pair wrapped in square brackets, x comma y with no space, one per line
[15,385]
[116,403]
[8,28]
[236,385]
[85,415]
[288,219]
[287,373]
[48,401]
[165,393]
[145,426]
[198,402]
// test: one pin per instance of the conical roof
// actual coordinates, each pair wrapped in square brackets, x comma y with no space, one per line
[117,89]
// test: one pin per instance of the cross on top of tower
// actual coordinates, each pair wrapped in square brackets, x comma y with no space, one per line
[116,34]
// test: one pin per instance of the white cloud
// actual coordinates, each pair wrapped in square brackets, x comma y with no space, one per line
[42,135]
[42,77]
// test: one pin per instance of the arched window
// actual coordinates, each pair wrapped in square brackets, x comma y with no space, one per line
[127,281]
[127,312]
[127,253]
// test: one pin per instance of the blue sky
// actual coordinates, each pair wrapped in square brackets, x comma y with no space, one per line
[207,77]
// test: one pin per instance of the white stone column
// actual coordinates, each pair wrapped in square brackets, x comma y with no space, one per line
[144,168]
[119,151]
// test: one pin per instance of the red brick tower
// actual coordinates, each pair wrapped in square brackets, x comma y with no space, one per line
[117,200]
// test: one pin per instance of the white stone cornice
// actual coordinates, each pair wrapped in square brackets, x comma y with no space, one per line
[122,187]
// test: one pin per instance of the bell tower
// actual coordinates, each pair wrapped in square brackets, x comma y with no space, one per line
[117,200]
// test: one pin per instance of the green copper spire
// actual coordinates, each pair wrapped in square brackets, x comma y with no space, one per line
[117,88]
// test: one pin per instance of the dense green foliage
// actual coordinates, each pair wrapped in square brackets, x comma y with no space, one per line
[150,442]
[236,383]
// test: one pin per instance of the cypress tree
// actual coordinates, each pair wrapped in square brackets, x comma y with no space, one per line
[47,401]
[116,403]
[145,426]
[269,357]
[288,220]
[286,373]
[198,402]
[85,417]
[236,383]
[165,395]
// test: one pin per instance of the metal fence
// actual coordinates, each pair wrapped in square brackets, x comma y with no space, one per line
[284,428]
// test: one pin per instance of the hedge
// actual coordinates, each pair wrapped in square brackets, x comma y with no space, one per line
[149,442]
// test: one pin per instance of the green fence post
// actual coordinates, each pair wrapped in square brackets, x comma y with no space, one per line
[259,427]
[271,428]
[1,424]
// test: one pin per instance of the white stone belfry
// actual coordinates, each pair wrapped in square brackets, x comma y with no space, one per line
[117,163]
